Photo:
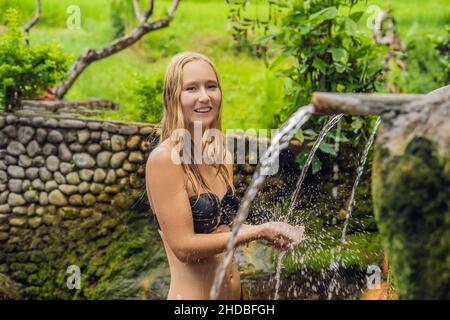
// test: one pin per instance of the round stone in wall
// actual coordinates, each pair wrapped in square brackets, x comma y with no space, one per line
[15,185]
[94,125]
[25,161]
[33,148]
[11,119]
[83,160]
[103,159]
[32,173]
[10,131]
[38,161]
[133,143]
[57,198]
[41,135]
[25,134]
[38,184]
[84,187]
[99,175]
[86,174]
[44,174]
[83,136]
[128,130]
[117,159]
[10,160]
[51,185]
[52,163]
[15,148]
[72,124]
[94,149]
[15,200]
[118,143]
[16,172]
[3,140]
[107,126]
[54,136]
[73,178]
[49,149]
[51,123]
[136,157]
[64,153]
[37,121]
[66,167]
[68,189]
[43,198]
[59,178]
[31,196]
[89,199]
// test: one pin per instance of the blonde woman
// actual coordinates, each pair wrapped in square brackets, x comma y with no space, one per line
[193,200]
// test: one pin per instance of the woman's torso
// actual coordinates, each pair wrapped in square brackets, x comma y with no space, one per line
[194,280]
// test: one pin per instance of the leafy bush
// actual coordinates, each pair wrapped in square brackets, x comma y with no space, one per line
[323,50]
[442,46]
[149,96]
[26,71]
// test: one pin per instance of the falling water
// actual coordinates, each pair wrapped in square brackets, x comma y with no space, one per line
[359,172]
[278,143]
[335,165]
[334,264]
[327,127]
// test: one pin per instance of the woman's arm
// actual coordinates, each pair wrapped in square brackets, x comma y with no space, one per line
[165,185]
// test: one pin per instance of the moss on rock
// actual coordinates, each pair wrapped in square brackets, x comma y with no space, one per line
[411,193]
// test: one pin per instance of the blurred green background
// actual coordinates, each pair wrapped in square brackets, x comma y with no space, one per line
[252,93]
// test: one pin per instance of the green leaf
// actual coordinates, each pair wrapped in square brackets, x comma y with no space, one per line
[325,14]
[339,55]
[327,148]
[310,132]
[299,135]
[316,164]
[355,16]
[320,65]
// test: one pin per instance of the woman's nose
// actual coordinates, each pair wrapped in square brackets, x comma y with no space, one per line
[203,95]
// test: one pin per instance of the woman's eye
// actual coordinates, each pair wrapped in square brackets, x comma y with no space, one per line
[190,88]
[212,86]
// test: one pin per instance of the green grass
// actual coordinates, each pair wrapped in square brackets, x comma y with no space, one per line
[251,93]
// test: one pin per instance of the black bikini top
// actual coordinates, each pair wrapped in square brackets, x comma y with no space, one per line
[208,211]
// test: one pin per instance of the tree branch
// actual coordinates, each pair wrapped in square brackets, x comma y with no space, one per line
[361,104]
[35,19]
[91,55]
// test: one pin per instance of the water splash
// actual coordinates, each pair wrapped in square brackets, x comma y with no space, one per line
[334,263]
[326,128]
[359,172]
[278,143]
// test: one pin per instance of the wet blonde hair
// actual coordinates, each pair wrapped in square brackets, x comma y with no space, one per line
[173,118]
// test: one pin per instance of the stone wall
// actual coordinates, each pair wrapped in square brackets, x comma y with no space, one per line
[62,180]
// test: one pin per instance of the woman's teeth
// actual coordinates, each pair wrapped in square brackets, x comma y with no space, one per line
[203,110]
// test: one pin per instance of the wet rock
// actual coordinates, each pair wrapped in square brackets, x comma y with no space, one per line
[16,172]
[72,124]
[52,163]
[15,148]
[57,198]
[84,160]
[25,134]
[64,153]
[117,159]
[103,159]
[54,136]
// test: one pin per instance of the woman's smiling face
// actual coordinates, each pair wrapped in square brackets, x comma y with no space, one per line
[200,97]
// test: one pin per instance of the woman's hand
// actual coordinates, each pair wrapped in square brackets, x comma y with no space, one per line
[281,235]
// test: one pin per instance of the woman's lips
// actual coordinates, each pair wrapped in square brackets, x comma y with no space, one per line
[203,110]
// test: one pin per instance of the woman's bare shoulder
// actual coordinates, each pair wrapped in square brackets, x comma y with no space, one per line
[163,156]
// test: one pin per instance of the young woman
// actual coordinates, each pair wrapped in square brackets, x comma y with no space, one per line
[194,201]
